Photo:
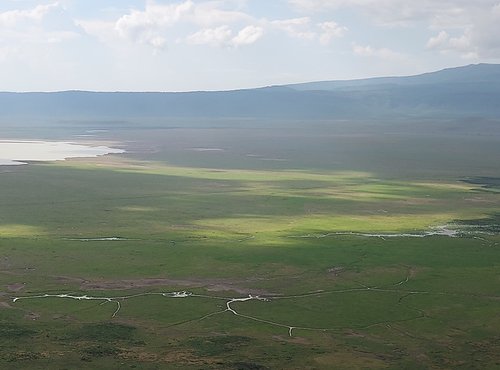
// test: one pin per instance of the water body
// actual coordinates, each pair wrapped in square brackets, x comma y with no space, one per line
[19,152]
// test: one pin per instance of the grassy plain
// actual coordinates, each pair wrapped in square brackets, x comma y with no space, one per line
[267,211]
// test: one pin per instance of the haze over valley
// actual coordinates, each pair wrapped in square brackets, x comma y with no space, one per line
[470,91]
[296,184]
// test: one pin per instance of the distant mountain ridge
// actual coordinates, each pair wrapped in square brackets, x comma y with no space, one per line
[472,90]
[473,73]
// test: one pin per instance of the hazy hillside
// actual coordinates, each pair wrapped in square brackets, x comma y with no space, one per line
[473,90]
[474,73]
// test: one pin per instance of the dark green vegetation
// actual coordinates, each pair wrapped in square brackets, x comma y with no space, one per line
[268,214]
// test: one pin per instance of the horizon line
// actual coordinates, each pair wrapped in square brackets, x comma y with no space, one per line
[235,89]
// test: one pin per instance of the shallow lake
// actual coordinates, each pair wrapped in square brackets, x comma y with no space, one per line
[20,152]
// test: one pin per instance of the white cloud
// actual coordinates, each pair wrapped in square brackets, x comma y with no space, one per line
[478,39]
[330,30]
[469,28]
[248,35]
[217,23]
[483,34]
[296,27]
[402,12]
[223,36]
[460,44]
[218,36]
[149,26]
[103,30]
[382,53]
[12,18]
[439,40]
[302,28]
[153,19]
[157,42]
[210,13]
[32,26]
[311,5]
[152,25]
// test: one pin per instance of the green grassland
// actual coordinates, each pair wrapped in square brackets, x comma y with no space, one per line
[289,215]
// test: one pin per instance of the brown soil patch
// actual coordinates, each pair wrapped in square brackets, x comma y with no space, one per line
[350,361]
[412,272]
[32,316]
[177,356]
[213,285]
[295,340]
[5,305]
[354,334]
[187,358]
[69,280]
[16,287]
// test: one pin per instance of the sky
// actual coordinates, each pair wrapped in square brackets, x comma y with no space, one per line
[185,45]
